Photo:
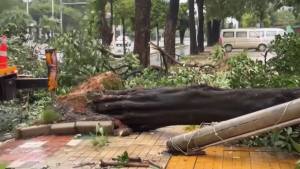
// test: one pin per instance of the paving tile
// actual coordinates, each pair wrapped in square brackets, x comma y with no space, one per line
[74,142]
[16,164]
[33,144]
[65,152]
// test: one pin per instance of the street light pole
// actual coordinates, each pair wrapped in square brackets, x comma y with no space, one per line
[53,8]
[27,6]
[61,14]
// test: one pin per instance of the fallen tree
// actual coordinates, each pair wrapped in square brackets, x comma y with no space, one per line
[147,109]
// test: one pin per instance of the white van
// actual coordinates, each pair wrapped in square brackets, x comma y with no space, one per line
[268,34]
[242,38]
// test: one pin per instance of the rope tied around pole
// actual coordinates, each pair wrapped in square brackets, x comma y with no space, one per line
[213,124]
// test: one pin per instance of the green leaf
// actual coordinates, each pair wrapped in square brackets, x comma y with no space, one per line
[289,130]
[295,145]
[278,143]
[3,165]
[101,131]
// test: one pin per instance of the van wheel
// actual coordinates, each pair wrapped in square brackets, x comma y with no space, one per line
[228,48]
[262,47]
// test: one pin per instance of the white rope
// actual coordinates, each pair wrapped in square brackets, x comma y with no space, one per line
[286,107]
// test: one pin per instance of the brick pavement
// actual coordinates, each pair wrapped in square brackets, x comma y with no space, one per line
[65,152]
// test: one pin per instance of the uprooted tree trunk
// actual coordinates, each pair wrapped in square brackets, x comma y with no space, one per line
[147,109]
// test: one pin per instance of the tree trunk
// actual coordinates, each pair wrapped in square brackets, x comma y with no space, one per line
[142,31]
[209,33]
[193,39]
[200,29]
[147,109]
[215,31]
[124,31]
[104,29]
[112,16]
[181,34]
[170,29]
[157,32]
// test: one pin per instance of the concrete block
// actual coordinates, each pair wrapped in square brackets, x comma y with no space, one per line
[63,129]
[86,127]
[34,131]
[17,133]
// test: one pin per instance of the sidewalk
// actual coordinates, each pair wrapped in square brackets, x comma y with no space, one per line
[65,152]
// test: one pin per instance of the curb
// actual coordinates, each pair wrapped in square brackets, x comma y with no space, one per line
[80,127]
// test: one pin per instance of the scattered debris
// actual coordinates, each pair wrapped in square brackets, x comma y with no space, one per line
[125,161]
[91,165]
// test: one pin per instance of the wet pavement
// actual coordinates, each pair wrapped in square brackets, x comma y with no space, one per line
[65,152]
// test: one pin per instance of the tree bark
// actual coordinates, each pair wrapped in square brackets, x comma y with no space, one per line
[106,31]
[147,109]
[170,29]
[200,29]
[124,31]
[209,33]
[112,16]
[193,39]
[215,31]
[142,31]
[157,32]
[181,34]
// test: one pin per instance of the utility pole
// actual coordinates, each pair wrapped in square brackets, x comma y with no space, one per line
[27,6]
[53,8]
[61,24]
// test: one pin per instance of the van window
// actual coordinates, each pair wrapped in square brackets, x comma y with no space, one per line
[261,33]
[281,33]
[270,33]
[228,34]
[241,34]
[253,34]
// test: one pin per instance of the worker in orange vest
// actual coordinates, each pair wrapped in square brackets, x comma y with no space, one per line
[3,53]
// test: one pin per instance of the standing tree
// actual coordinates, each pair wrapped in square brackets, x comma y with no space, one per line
[183,19]
[193,41]
[104,29]
[216,11]
[123,11]
[18,17]
[158,15]
[142,31]
[170,29]
[201,25]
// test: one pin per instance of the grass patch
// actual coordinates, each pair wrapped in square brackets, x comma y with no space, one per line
[49,117]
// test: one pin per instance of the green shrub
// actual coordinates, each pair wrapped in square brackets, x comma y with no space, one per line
[49,117]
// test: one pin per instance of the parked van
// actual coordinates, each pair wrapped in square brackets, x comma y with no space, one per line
[242,38]
[268,34]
